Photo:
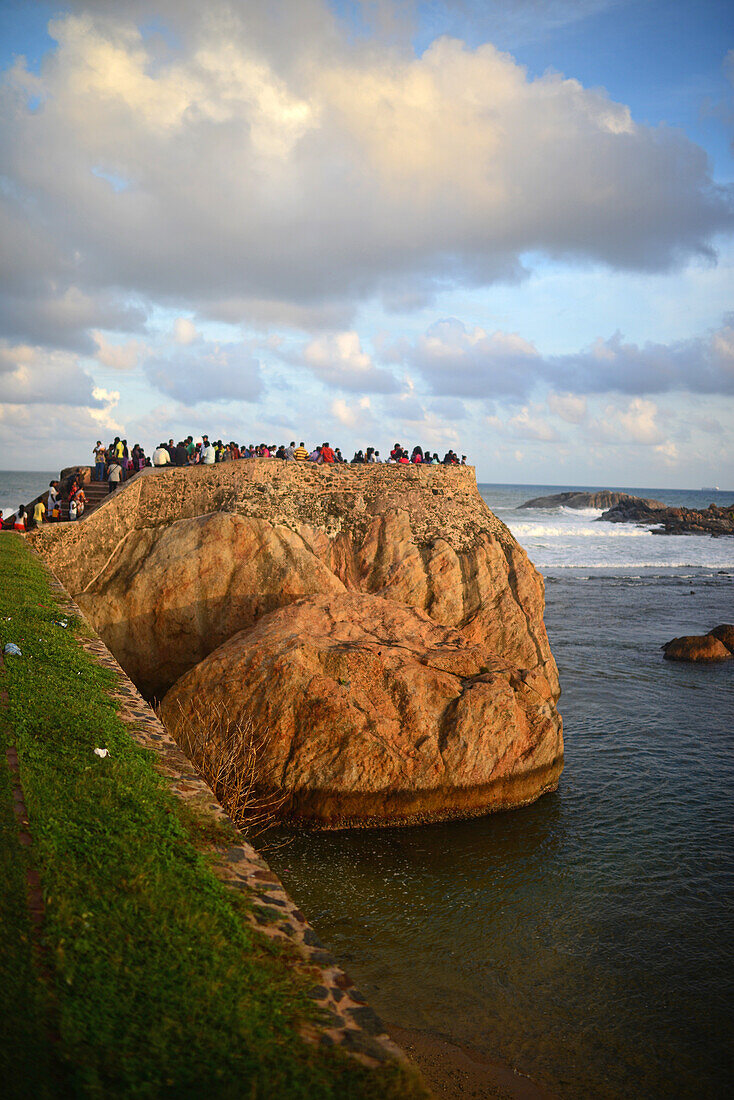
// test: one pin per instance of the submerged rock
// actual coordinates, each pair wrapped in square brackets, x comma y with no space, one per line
[371,713]
[696,647]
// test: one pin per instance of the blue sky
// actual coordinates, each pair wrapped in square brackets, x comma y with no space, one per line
[505,229]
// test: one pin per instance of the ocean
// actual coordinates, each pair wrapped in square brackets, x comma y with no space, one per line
[588,939]
[21,486]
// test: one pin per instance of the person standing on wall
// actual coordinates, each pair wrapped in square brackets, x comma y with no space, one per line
[100,455]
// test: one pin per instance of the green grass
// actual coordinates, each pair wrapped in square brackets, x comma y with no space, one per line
[161,987]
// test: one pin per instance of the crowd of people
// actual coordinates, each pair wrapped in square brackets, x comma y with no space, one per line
[50,510]
[117,462]
[207,452]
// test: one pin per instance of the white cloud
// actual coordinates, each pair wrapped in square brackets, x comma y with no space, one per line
[633,422]
[124,356]
[668,452]
[184,331]
[55,431]
[36,376]
[338,360]
[357,415]
[206,371]
[104,416]
[527,425]
[569,406]
[272,173]
[456,360]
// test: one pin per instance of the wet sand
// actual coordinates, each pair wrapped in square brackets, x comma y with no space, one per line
[454,1072]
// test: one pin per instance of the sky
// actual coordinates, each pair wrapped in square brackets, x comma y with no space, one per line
[502,228]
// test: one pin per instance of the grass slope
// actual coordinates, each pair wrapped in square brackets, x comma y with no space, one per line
[161,988]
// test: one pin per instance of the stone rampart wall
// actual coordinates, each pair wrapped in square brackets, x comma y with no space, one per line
[443,503]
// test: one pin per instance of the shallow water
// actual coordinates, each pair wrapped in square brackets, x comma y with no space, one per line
[586,939]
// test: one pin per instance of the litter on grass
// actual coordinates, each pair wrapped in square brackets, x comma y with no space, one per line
[12,650]
[102,752]
[61,622]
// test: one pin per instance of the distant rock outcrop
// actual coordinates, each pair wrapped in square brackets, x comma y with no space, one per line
[290,574]
[713,520]
[603,498]
[717,645]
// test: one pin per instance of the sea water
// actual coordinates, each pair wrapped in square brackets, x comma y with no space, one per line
[586,939]
[21,486]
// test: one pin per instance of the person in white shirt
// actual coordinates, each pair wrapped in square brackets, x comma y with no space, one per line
[161,457]
[208,455]
[114,475]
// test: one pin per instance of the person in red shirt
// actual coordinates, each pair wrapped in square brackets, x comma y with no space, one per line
[327,454]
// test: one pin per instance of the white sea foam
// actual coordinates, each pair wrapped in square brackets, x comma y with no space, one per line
[566,539]
[573,531]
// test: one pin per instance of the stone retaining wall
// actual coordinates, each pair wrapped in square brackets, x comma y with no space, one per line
[348,1021]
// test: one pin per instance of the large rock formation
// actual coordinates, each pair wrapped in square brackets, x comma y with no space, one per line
[184,572]
[601,498]
[373,713]
[171,595]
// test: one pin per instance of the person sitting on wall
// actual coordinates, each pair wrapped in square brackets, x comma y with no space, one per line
[21,516]
[417,456]
[80,500]
[161,457]
[327,454]
[73,509]
[300,454]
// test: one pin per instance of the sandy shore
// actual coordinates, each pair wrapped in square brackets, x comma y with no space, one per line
[454,1072]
